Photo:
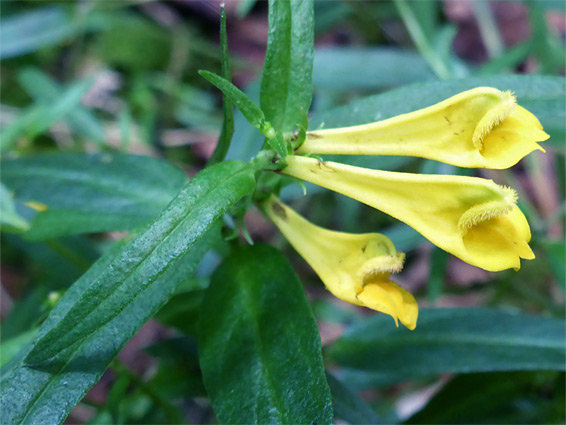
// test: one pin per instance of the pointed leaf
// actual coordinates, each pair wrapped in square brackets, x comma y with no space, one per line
[120,292]
[286,85]
[451,341]
[45,90]
[156,250]
[228,123]
[32,30]
[251,112]
[259,346]
[85,193]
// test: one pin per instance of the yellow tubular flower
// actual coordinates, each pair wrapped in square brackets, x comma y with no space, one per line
[472,218]
[354,268]
[480,128]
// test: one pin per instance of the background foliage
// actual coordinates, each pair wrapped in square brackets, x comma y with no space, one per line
[104,119]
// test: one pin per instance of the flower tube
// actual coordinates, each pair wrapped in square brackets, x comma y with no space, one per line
[479,128]
[472,218]
[353,267]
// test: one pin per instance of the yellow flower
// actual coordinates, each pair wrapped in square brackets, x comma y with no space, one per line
[472,218]
[482,128]
[353,267]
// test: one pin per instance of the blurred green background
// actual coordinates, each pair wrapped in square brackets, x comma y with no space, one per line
[106,76]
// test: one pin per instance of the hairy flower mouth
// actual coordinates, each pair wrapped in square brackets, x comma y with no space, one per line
[488,210]
[353,267]
[380,265]
[493,118]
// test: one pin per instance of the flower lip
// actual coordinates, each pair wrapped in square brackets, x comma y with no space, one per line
[488,210]
[381,264]
[492,118]
[353,267]
[472,218]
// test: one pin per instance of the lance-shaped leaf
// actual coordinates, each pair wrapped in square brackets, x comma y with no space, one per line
[154,251]
[120,292]
[85,193]
[45,90]
[39,117]
[228,123]
[286,84]
[249,110]
[259,346]
[451,341]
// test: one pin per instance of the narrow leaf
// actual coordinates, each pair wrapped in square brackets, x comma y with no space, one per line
[85,193]
[259,345]
[45,90]
[32,30]
[156,250]
[228,123]
[251,112]
[39,117]
[451,341]
[106,307]
[497,398]
[349,68]
[286,85]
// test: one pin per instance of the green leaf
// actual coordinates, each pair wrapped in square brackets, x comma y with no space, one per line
[251,112]
[10,220]
[286,85]
[451,341]
[32,30]
[156,250]
[244,8]
[87,193]
[259,345]
[228,123]
[39,117]
[348,406]
[119,293]
[509,59]
[497,398]
[46,91]
[347,68]
[544,96]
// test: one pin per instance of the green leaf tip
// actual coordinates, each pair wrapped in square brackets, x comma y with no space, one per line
[250,110]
